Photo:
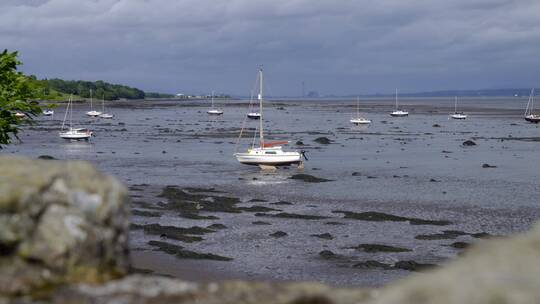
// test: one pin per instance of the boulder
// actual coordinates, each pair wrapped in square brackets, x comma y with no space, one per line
[494,271]
[60,222]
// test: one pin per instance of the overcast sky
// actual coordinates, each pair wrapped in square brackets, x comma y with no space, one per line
[334,46]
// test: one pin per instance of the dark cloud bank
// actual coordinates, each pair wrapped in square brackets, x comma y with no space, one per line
[336,47]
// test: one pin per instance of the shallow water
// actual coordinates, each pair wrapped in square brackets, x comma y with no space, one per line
[401,166]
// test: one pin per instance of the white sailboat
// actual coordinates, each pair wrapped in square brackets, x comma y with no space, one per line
[267,154]
[529,115]
[359,120]
[456,114]
[103,114]
[214,111]
[92,113]
[73,133]
[48,112]
[398,112]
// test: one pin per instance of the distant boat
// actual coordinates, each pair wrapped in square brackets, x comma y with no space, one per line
[254,115]
[398,112]
[268,154]
[103,114]
[92,113]
[212,110]
[529,115]
[359,120]
[48,112]
[456,114]
[20,115]
[73,133]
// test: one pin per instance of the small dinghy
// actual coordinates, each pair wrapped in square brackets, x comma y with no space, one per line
[48,112]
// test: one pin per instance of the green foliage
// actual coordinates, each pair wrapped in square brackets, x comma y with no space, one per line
[82,88]
[15,92]
[158,95]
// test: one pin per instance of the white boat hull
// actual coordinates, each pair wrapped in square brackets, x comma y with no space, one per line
[214,112]
[254,116]
[106,116]
[458,116]
[399,114]
[93,113]
[287,158]
[76,135]
[534,118]
[360,121]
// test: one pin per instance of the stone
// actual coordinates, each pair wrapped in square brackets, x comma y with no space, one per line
[500,270]
[469,143]
[322,140]
[60,222]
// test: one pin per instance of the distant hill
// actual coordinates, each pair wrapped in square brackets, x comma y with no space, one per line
[58,89]
[459,93]
[473,93]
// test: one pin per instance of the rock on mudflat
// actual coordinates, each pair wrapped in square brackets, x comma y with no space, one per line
[60,222]
[469,143]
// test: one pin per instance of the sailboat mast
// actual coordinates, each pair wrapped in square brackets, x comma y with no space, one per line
[396,100]
[532,102]
[455,104]
[212,99]
[71,113]
[261,134]
[91,107]
[103,103]
[357,106]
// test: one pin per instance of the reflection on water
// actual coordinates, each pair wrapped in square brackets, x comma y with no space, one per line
[75,148]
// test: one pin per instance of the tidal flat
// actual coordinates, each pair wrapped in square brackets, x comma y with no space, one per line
[398,196]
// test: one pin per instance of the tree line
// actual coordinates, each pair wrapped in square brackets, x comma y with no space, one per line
[50,89]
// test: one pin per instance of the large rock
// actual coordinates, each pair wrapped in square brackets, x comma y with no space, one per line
[138,289]
[60,222]
[495,271]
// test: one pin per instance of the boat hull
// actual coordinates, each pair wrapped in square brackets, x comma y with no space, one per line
[93,113]
[215,112]
[69,136]
[269,160]
[533,119]
[458,116]
[399,114]
[360,121]
[254,116]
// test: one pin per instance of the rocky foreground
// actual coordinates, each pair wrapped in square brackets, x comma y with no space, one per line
[63,239]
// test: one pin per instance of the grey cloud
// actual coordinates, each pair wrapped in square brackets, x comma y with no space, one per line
[339,47]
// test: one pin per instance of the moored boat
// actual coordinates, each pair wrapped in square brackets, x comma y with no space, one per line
[529,115]
[267,154]
[397,112]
